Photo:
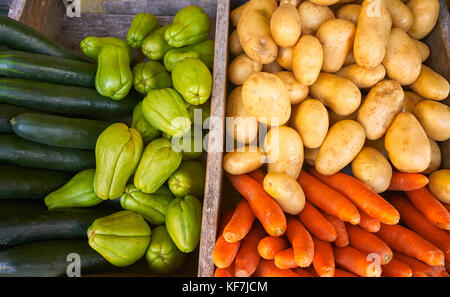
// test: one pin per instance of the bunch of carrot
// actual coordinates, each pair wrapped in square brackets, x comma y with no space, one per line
[344,230]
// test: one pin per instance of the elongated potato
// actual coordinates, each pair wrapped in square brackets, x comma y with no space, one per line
[311,122]
[344,141]
[296,90]
[440,185]
[423,49]
[434,118]
[234,44]
[312,16]
[241,68]
[307,59]
[236,13]
[311,156]
[402,16]
[243,160]
[362,77]
[436,158]
[285,25]
[272,67]
[286,191]
[411,101]
[407,144]
[431,85]
[425,15]
[349,12]
[284,58]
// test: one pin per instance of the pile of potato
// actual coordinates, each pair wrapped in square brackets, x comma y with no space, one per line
[337,82]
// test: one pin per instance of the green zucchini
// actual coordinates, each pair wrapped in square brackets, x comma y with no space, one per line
[18,151]
[7,112]
[58,131]
[47,68]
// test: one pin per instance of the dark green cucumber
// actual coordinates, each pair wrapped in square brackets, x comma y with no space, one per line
[19,36]
[47,68]
[7,112]
[58,131]
[18,151]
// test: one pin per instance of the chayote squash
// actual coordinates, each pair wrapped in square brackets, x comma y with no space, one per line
[188,179]
[147,131]
[121,238]
[158,162]
[152,207]
[203,51]
[183,222]
[190,26]
[154,45]
[193,80]
[117,154]
[149,76]
[198,114]
[163,256]
[165,110]
[142,25]
[190,145]
[91,46]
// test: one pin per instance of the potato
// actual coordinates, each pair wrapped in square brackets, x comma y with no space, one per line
[324,2]
[266,98]
[272,67]
[337,93]
[286,191]
[423,49]
[372,34]
[350,59]
[402,16]
[362,77]
[254,31]
[336,36]
[431,85]
[284,150]
[434,118]
[243,160]
[311,155]
[285,25]
[402,60]
[234,44]
[291,2]
[311,122]
[378,145]
[296,90]
[373,169]
[241,68]
[284,58]
[312,16]
[407,144]
[307,59]
[411,101]
[349,12]
[435,162]
[242,127]
[425,15]
[343,142]
[382,104]
[235,14]
[439,184]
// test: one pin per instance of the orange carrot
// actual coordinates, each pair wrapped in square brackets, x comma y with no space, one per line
[247,258]
[404,181]
[263,206]
[302,272]
[240,223]
[267,268]
[363,196]
[316,223]
[431,208]
[323,261]
[285,259]
[269,246]
[225,252]
[419,269]
[341,231]
[368,223]
[368,243]
[342,273]
[410,243]
[257,175]
[396,268]
[354,261]
[225,272]
[328,199]
[301,241]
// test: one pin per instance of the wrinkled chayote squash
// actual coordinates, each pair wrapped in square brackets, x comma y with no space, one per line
[147,131]
[155,46]
[91,46]
[188,179]
[142,25]
[149,76]
[203,51]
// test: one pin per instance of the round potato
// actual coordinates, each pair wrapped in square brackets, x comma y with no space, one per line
[284,58]
[425,15]
[439,184]
[266,98]
[343,142]
[373,169]
[431,85]
[285,25]
[234,44]
[434,118]
[312,16]
[243,160]
[286,191]
[349,12]
[402,16]
[235,14]
[307,59]
[436,158]
[382,104]
[362,77]
[296,90]
[423,49]
[241,68]
[272,67]
[311,122]
[407,144]
[411,100]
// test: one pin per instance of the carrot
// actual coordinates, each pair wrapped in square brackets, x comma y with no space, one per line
[341,231]
[262,205]
[257,175]
[323,261]
[368,243]
[396,268]
[225,252]
[368,223]
[363,196]
[419,269]
[267,268]
[417,222]
[247,258]
[240,223]
[269,246]
[342,273]
[354,261]
[225,272]
[328,199]
[405,181]
[410,243]
[302,272]
[316,223]
[285,259]
[431,208]
[301,241]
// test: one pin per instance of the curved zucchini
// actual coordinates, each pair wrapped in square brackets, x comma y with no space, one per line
[7,112]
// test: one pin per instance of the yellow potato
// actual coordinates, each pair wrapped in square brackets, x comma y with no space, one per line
[236,13]
[243,160]
[284,150]
[311,155]
[435,162]
[311,122]
[343,142]
[336,36]
[407,144]
[296,90]
[402,17]
[425,15]
[411,101]
[382,104]
[440,185]
[423,49]
[291,2]
[235,44]
[284,58]
[286,191]
[241,68]
[307,59]
[434,118]
[324,2]
[266,98]
[350,59]
[285,25]
[378,145]
[349,12]
[402,60]
[373,169]
[337,93]
[312,16]
[272,67]
[242,127]
[362,77]
[431,85]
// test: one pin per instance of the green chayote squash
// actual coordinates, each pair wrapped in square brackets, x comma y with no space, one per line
[152,207]
[165,110]
[183,222]
[193,80]
[191,144]
[158,162]
[203,51]
[77,192]
[190,26]
[188,179]
[147,131]
[149,76]
[199,113]
[142,25]
[121,238]
[91,46]
[117,154]
[154,45]
[163,257]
